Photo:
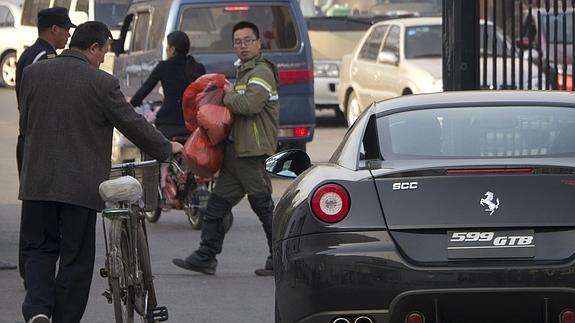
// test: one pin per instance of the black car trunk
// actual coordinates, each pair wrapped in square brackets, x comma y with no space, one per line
[479,212]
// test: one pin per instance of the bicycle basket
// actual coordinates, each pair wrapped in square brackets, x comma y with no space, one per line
[148,176]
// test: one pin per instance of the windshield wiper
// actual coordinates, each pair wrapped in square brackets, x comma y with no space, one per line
[425,56]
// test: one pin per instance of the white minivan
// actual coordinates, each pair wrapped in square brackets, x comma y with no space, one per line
[110,12]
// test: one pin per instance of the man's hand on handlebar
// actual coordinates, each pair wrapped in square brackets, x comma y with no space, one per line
[176,147]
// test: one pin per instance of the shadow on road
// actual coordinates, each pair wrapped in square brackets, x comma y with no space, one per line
[328,119]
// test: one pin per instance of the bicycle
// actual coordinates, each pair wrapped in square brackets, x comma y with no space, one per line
[127,266]
[183,190]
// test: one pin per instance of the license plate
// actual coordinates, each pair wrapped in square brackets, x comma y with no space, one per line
[465,244]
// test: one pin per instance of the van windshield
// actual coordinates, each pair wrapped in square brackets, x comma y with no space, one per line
[210,28]
[111,12]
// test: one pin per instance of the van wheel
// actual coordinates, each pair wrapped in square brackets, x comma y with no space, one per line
[8,65]
[353,110]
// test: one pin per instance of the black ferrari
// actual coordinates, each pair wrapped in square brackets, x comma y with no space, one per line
[440,208]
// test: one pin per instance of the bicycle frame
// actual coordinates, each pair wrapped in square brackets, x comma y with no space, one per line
[127,265]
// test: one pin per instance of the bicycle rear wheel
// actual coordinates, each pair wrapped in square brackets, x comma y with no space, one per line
[154,215]
[120,265]
[146,297]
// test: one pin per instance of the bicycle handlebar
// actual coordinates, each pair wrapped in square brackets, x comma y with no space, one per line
[140,164]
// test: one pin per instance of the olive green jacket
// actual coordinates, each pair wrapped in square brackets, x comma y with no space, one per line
[256,108]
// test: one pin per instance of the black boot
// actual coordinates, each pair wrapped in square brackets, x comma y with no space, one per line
[204,260]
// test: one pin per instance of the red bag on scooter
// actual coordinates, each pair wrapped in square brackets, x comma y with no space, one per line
[216,120]
[190,97]
[203,158]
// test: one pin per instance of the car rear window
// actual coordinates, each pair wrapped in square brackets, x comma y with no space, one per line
[423,41]
[210,28]
[478,132]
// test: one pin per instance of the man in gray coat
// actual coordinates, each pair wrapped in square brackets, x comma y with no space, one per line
[68,109]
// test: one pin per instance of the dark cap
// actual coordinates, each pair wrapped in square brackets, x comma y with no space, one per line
[55,16]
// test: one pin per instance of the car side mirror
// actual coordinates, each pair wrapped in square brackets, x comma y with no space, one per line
[388,58]
[289,163]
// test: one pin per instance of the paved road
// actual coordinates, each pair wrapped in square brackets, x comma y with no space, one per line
[235,294]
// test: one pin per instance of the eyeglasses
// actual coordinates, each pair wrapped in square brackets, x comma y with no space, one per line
[246,42]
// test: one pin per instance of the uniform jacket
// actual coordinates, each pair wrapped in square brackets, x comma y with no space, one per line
[172,74]
[41,50]
[256,108]
[68,109]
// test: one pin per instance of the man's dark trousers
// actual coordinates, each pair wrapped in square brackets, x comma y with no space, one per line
[238,177]
[52,231]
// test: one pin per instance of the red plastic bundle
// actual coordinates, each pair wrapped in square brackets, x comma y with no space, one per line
[190,98]
[216,120]
[203,158]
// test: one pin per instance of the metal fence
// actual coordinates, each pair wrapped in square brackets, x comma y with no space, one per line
[526,44]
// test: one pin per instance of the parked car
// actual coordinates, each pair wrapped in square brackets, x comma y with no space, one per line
[331,38]
[446,207]
[209,25]
[10,12]
[543,40]
[404,56]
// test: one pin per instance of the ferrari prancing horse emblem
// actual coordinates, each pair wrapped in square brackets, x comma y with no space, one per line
[489,203]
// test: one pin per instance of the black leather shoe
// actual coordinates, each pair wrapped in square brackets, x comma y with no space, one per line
[264,272]
[207,267]
[268,269]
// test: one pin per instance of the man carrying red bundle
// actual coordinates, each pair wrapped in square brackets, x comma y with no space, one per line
[255,104]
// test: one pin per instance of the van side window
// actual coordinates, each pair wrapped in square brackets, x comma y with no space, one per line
[83,6]
[30,11]
[141,31]
[62,3]
[157,28]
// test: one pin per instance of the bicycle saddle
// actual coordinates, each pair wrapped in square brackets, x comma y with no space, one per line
[125,189]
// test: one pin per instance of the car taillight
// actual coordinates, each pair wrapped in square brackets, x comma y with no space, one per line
[567,316]
[298,132]
[236,8]
[568,82]
[414,317]
[288,77]
[330,203]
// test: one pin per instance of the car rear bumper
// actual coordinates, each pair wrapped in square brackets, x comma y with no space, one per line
[320,277]
[325,91]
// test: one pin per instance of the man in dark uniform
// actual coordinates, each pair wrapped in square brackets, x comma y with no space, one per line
[53,33]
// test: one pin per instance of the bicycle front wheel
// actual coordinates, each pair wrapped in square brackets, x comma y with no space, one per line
[120,267]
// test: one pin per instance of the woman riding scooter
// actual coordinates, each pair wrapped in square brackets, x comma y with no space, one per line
[175,74]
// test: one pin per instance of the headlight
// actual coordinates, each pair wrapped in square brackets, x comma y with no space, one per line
[326,69]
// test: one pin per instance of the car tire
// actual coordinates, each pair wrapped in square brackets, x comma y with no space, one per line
[8,67]
[353,109]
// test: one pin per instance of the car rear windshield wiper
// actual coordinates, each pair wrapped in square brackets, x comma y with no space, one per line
[425,56]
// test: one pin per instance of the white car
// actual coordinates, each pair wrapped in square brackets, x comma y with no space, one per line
[404,56]
[10,12]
